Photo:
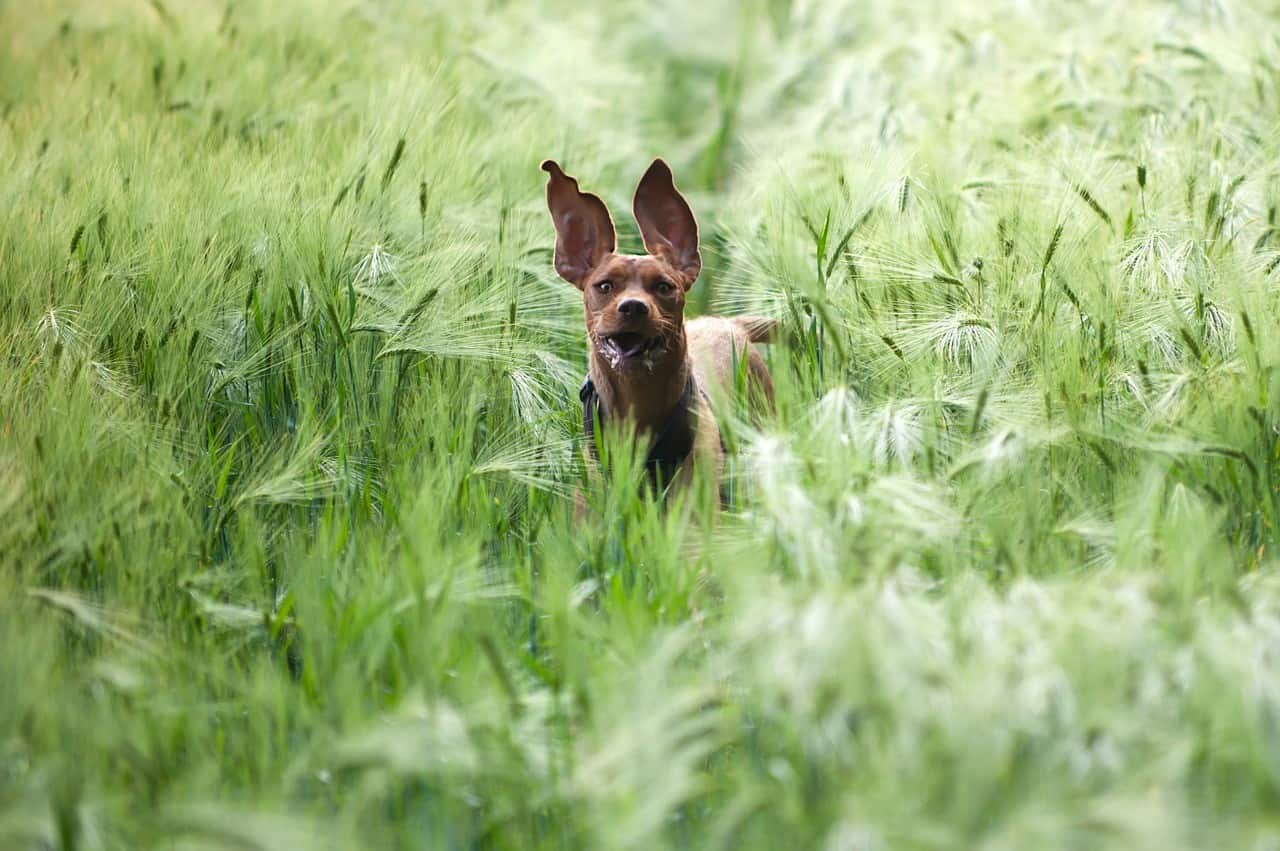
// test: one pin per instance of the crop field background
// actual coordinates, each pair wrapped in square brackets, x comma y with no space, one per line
[289,429]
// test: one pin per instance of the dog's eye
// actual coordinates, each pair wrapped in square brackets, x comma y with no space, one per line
[666,287]
[604,286]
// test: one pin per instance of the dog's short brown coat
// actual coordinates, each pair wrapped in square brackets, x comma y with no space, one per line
[642,352]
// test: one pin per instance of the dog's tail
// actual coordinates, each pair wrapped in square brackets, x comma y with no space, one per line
[759,329]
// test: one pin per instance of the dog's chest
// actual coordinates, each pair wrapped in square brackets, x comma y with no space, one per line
[672,443]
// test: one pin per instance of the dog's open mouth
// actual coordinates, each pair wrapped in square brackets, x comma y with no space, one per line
[628,345]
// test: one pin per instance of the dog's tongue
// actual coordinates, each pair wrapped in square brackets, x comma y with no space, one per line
[631,346]
[624,345]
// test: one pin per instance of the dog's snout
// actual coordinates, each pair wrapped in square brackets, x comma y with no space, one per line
[633,308]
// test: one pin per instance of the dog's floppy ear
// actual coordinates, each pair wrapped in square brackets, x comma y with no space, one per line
[584,231]
[666,222]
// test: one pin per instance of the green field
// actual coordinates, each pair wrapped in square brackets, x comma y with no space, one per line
[289,429]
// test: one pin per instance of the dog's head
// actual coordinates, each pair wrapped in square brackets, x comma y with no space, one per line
[634,304]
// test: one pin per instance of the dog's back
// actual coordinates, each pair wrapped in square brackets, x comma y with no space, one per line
[716,346]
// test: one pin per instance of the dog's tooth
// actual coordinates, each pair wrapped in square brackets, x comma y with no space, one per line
[609,349]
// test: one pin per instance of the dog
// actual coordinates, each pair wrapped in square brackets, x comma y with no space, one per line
[648,368]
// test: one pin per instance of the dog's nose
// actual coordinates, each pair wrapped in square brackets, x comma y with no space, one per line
[633,308]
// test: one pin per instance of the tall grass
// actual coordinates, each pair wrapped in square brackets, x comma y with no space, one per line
[288,429]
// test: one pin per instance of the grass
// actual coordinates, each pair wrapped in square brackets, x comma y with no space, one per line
[288,429]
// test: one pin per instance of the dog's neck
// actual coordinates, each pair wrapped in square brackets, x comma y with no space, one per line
[643,396]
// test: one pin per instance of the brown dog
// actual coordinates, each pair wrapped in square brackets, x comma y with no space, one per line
[648,367]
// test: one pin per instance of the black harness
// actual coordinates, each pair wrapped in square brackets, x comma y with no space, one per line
[674,440]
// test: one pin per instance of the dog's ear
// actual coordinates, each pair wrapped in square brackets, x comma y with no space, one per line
[584,231]
[666,222]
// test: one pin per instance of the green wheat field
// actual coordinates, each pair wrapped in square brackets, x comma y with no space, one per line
[289,429]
